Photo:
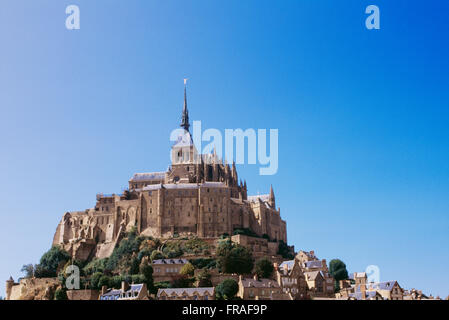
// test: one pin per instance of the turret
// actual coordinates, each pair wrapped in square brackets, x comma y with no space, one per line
[9,285]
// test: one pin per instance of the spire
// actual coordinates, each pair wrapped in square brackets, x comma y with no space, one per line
[272,199]
[185,113]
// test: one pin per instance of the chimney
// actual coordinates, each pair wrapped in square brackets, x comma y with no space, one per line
[363,290]
[312,253]
[125,286]
[104,289]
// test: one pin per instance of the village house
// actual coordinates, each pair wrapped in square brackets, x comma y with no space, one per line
[261,289]
[186,293]
[165,269]
[290,277]
[318,278]
[126,292]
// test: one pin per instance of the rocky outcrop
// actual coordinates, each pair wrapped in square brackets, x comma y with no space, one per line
[35,289]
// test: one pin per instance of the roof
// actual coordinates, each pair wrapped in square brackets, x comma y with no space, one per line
[261,283]
[184,140]
[116,294]
[368,295]
[313,264]
[261,197]
[386,285]
[148,176]
[170,261]
[189,291]
[183,186]
[312,275]
[289,264]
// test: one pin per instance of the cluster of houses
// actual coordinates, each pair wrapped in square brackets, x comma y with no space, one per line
[304,277]
[357,287]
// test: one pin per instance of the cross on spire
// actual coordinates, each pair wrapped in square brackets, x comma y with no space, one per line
[185,113]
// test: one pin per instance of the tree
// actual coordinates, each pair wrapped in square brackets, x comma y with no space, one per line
[95,280]
[188,269]
[156,254]
[284,250]
[227,289]
[147,271]
[337,270]
[51,261]
[181,281]
[28,270]
[104,281]
[264,268]
[204,279]
[61,294]
[234,258]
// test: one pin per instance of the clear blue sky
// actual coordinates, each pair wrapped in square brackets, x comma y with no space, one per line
[362,117]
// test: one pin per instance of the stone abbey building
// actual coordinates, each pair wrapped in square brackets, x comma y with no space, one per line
[198,195]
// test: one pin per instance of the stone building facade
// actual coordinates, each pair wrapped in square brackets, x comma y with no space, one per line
[198,195]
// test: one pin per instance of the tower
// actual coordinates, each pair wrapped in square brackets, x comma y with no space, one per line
[9,285]
[184,154]
[185,112]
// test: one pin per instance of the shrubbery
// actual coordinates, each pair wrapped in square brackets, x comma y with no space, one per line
[264,268]
[234,258]
[226,290]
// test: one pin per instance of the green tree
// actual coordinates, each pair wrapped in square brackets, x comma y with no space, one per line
[204,279]
[51,261]
[227,289]
[147,271]
[28,270]
[156,254]
[338,271]
[188,269]
[234,258]
[264,268]
[284,250]
[104,281]
[181,281]
[61,294]
[95,279]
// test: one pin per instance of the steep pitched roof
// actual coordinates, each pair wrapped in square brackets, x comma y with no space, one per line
[188,291]
[261,283]
[148,176]
[170,261]
[312,275]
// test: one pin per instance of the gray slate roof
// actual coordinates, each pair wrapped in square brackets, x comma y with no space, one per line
[170,261]
[261,283]
[148,176]
[189,291]
[313,264]
[114,294]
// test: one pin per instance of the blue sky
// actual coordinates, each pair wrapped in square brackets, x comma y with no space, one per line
[362,117]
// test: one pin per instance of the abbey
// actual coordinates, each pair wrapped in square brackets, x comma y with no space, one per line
[199,195]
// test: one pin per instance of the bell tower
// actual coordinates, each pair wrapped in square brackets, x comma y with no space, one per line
[184,153]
